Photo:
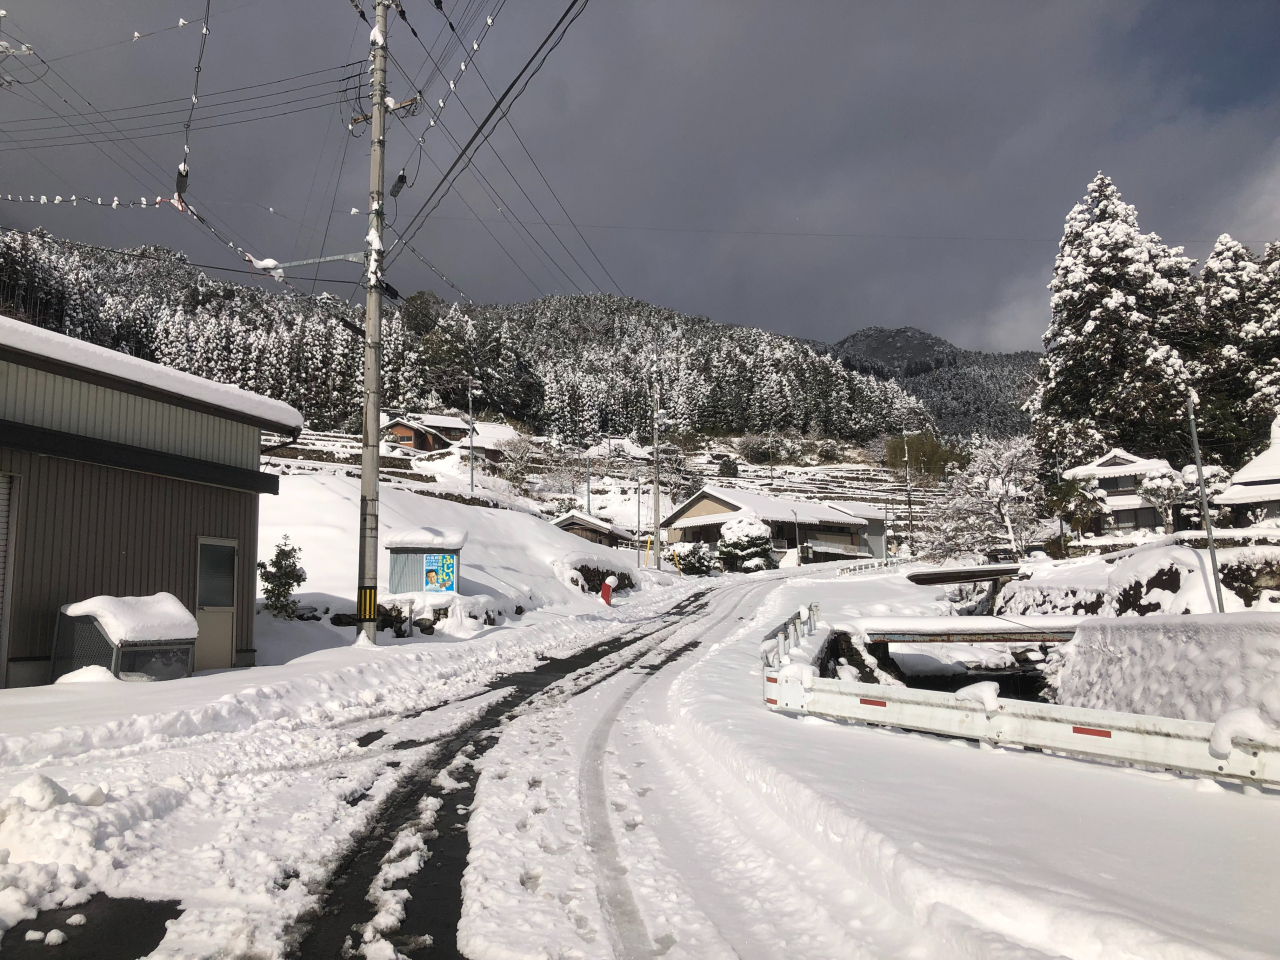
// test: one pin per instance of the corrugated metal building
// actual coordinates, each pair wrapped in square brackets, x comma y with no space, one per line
[122,477]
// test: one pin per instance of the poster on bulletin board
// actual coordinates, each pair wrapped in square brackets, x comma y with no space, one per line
[440,572]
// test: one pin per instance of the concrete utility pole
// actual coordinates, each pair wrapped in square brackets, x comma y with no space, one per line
[367,587]
[588,481]
[636,477]
[657,493]
[471,444]
[911,519]
[1204,502]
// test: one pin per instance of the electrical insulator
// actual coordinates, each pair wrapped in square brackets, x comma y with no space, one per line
[181,185]
[398,185]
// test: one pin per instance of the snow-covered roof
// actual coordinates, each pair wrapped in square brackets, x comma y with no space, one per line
[846,514]
[1116,463]
[138,619]
[495,431]
[435,421]
[596,523]
[185,388]
[427,538]
[1258,481]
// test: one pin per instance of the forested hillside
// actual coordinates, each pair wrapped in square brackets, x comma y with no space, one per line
[965,391]
[572,366]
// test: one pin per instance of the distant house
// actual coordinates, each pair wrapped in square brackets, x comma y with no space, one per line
[121,477]
[593,528]
[833,530]
[1255,487]
[1120,473]
[489,439]
[425,431]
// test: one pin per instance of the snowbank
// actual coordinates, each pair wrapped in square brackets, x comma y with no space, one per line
[135,619]
[513,563]
[1154,579]
[1190,667]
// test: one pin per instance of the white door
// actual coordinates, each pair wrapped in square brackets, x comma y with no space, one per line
[216,604]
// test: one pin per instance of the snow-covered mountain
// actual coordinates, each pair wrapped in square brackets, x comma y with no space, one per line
[571,366]
[965,391]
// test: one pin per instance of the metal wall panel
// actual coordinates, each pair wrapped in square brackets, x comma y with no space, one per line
[60,403]
[6,489]
[79,530]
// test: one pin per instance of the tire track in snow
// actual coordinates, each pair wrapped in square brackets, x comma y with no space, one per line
[627,931]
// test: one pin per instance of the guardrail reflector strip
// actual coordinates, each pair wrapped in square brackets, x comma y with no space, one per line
[771,679]
[880,703]
[1092,732]
[771,702]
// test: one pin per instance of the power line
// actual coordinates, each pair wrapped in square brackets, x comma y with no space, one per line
[162,178]
[563,210]
[566,20]
[128,134]
[122,113]
[510,174]
[501,204]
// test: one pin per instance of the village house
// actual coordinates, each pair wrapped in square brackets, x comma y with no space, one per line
[425,431]
[1120,473]
[1254,492]
[593,528]
[123,478]
[832,530]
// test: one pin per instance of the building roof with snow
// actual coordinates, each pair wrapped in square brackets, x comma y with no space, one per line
[426,539]
[1258,481]
[845,514]
[578,518]
[1116,463]
[32,346]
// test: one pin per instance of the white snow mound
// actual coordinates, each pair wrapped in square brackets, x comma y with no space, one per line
[133,619]
[90,674]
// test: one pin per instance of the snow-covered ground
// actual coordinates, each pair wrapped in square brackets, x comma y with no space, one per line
[673,813]
[661,810]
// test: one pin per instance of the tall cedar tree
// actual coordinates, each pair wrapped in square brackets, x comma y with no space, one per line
[1230,301]
[1110,376]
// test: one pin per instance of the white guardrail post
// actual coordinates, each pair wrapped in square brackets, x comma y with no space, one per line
[1163,743]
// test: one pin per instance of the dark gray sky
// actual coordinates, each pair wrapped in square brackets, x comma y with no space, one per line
[704,148]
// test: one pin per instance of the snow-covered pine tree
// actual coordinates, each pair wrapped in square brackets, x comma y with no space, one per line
[1260,344]
[1109,375]
[992,504]
[1231,299]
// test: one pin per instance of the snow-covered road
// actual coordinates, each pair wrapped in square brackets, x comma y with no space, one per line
[728,830]
[645,804]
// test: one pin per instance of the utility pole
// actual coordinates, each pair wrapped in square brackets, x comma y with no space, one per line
[588,481]
[657,467]
[657,494]
[367,588]
[1204,502]
[471,444]
[1062,532]
[636,477]
[911,518]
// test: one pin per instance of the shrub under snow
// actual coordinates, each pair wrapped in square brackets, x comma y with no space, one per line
[743,540]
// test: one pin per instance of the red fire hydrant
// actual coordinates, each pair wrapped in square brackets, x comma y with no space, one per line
[606,590]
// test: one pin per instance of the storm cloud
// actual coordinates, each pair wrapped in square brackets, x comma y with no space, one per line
[810,168]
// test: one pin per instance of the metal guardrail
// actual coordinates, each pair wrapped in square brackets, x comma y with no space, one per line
[1162,743]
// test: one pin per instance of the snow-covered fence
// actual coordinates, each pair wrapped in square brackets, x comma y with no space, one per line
[1239,746]
[779,642]
[869,566]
